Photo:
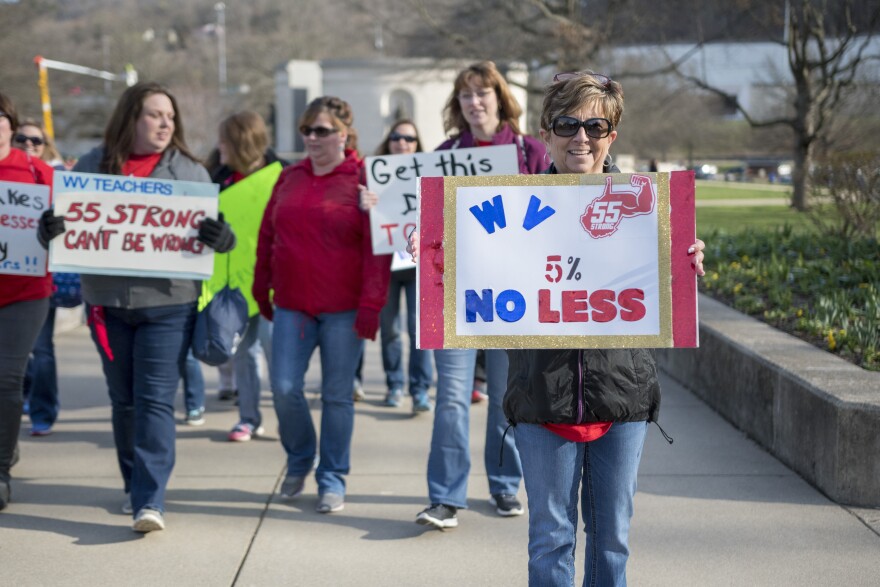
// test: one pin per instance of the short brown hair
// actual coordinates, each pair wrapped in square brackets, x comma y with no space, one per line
[488,75]
[340,114]
[246,138]
[564,97]
[121,128]
[8,109]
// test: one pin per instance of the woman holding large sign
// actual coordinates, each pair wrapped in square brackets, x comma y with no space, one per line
[581,415]
[24,299]
[318,280]
[481,111]
[142,326]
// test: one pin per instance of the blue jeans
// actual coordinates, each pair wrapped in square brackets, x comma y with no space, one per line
[449,461]
[41,380]
[143,360]
[295,337]
[501,459]
[420,370]
[20,323]
[193,384]
[605,471]
[246,363]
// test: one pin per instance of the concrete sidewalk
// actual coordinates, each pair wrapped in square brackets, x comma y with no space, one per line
[712,509]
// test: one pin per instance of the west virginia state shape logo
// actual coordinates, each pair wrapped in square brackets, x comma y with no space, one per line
[603,215]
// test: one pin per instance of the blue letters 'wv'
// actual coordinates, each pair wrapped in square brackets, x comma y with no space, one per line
[474,304]
[492,213]
[535,215]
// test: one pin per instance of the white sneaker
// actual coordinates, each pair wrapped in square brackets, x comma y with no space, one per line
[148,520]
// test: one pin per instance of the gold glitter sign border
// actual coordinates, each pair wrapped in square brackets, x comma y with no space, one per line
[664,231]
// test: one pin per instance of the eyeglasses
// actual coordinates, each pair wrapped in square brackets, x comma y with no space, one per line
[481,94]
[396,136]
[320,131]
[565,76]
[35,141]
[568,126]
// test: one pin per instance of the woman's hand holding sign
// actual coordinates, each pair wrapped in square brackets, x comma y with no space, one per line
[50,226]
[217,234]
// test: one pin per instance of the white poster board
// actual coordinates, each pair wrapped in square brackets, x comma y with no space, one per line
[21,205]
[394,179]
[145,227]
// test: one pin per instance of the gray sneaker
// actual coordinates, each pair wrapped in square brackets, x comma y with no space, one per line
[329,503]
[126,505]
[506,505]
[148,520]
[292,486]
[439,516]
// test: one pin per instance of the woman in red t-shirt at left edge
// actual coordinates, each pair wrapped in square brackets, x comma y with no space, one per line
[24,303]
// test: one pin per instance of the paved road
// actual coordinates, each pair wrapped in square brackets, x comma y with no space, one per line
[712,509]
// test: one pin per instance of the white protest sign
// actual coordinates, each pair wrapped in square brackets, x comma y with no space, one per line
[21,205]
[394,179]
[146,227]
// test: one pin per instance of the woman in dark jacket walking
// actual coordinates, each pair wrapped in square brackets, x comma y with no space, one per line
[142,326]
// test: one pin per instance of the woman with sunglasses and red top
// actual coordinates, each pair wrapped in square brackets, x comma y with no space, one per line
[24,301]
[317,279]
[41,378]
[402,139]
[481,111]
[581,415]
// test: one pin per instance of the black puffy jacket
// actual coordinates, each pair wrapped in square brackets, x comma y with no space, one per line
[575,386]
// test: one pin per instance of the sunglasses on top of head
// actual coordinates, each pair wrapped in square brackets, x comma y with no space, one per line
[23,139]
[568,126]
[396,136]
[567,75]
[320,131]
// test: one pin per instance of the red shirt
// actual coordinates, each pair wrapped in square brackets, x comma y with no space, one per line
[315,250]
[141,165]
[18,167]
[580,432]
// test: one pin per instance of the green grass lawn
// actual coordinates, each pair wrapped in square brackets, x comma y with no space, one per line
[707,190]
[735,219]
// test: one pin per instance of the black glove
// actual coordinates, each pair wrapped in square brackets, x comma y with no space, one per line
[217,234]
[50,226]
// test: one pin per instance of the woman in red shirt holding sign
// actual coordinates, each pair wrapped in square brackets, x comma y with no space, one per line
[24,300]
[142,326]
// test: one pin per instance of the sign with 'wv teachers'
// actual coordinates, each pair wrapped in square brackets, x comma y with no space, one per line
[557,261]
[394,179]
[140,226]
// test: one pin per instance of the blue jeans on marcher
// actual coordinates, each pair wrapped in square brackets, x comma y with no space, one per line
[295,338]
[246,364]
[41,379]
[419,370]
[143,359]
[193,384]
[449,461]
[501,458]
[604,472]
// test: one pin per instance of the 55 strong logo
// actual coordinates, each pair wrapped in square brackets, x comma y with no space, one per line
[604,214]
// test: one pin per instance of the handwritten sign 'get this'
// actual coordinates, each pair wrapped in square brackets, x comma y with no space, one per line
[21,205]
[394,179]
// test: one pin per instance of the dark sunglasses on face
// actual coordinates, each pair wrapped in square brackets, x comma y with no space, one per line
[396,136]
[568,126]
[320,131]
[22,139]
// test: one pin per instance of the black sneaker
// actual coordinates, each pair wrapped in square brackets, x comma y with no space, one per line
[506,505]
[438,515]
